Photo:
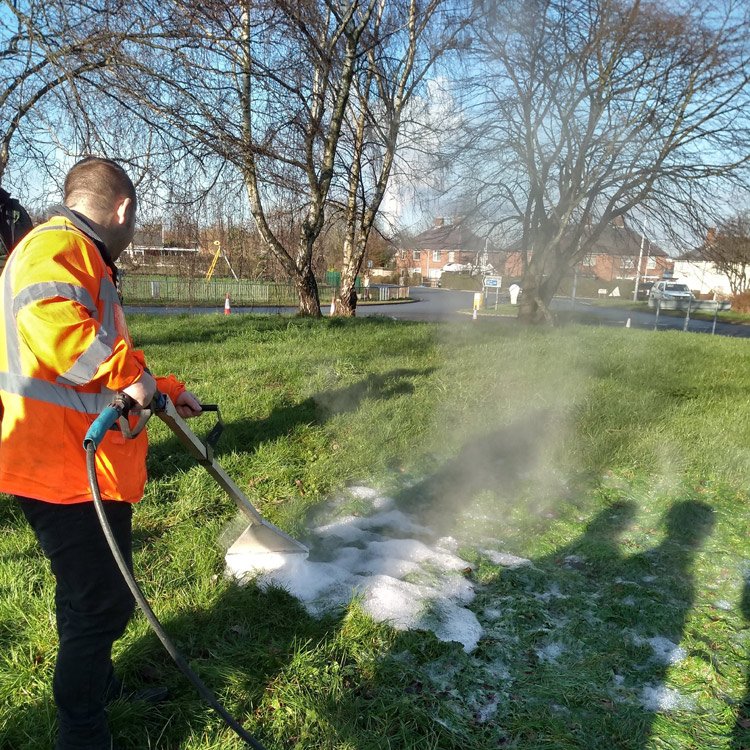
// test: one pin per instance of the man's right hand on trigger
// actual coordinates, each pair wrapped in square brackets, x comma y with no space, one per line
[143,390]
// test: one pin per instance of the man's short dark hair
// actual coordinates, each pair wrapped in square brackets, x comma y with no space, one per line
[100,183]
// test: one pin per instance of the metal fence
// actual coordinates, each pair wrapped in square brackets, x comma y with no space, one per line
[191,291]
[144,290]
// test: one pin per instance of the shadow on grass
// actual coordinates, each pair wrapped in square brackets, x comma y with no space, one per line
[240,647]
[599,631]
[741,732]
[245,436]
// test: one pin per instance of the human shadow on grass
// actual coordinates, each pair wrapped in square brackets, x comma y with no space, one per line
[600,630]
[238,646]
[741,732]
[245,435]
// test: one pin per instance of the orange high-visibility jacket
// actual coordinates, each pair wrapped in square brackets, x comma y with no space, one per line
[65,351]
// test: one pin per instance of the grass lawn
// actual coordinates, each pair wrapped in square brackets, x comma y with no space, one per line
[594,482]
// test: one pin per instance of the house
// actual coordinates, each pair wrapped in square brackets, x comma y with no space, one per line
[150,242]
[430,251]
[615,255]
[701,275]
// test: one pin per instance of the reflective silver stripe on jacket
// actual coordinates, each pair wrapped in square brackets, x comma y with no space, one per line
[50,289]
[101,347]
[85,367]
[52,393]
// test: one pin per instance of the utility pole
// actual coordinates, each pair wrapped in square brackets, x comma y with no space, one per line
[638,269]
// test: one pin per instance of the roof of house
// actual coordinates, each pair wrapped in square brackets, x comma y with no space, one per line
[621,240]
[694,256]
[455,236]
[615,240]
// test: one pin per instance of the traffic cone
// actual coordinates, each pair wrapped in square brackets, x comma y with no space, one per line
[627,324]
[227,309]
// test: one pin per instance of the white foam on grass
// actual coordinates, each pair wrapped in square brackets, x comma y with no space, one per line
[551,652]
[506,559]
[665,651]
[410,582]
[659,698]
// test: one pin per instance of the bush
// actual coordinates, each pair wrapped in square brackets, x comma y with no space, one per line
[453,280]
[588,287]
[741,303]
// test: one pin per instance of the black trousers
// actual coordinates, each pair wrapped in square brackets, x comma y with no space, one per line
[93,606]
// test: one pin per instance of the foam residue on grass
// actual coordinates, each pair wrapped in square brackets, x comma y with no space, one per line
[665,652]
[402,573]
[660,699]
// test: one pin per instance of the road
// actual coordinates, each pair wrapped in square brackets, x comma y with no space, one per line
[444,305]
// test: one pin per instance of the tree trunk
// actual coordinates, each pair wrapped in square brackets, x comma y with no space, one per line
[346,302]
[531,307]
[538,291]
[307,289]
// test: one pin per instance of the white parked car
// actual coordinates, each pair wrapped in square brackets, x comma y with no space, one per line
[671,290]
[456,267]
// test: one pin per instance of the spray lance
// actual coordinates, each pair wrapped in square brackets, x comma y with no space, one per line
[117,412]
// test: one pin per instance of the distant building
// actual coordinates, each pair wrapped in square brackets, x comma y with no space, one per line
[702,275]
[430,251]
[614,256]
[150,242]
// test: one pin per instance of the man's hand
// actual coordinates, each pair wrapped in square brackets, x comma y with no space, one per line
[142,391]
[188,405]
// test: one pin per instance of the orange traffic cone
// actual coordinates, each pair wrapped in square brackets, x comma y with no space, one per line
[227,309]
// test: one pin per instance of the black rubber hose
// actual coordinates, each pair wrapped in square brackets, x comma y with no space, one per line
[153,621]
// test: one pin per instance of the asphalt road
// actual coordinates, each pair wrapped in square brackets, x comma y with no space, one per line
[443,305]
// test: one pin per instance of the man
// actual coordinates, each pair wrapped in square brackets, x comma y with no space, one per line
[64,352]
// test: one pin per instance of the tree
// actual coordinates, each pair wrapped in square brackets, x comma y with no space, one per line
[403,42]
[584,110]
[729,250]
[47,48]
[261,87]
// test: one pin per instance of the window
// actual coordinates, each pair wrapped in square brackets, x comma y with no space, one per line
[651,263]
[403,255]
[627,263]
[436,256]
[417,256]
[451,257]
[589,260]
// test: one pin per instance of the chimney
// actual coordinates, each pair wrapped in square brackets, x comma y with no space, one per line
[710,236]
[439,222]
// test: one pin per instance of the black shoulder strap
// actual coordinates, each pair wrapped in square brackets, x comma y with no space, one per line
[15,222]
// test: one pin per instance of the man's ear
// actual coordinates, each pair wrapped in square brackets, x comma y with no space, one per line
[121,210]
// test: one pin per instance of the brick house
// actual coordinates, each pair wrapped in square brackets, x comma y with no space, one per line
[614,256]
[445,243]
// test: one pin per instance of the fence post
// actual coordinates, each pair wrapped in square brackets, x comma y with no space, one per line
[658,310]
[716,315]
[687,317]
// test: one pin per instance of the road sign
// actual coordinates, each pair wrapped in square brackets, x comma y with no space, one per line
[493,281]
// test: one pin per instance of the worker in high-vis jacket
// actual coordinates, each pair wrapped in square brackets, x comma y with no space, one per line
[65,352]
